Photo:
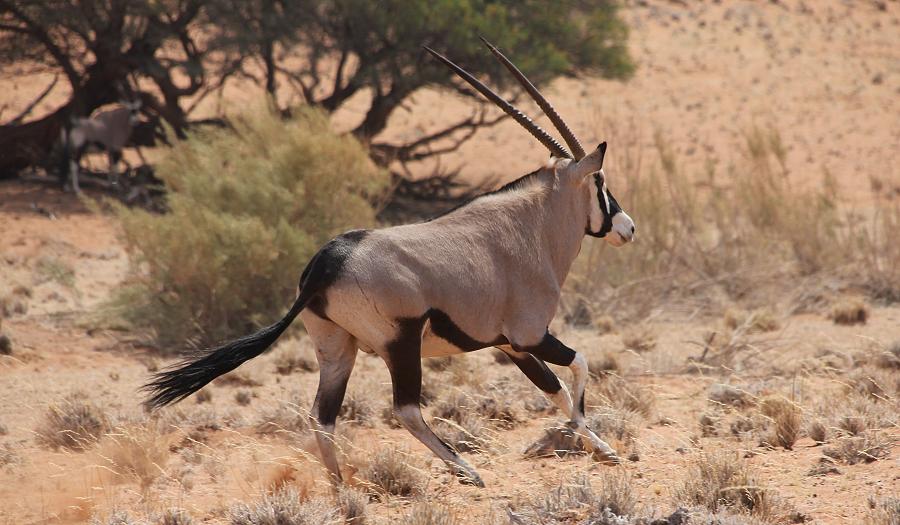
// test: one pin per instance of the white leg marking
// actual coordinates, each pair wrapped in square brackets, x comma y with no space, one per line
[411,417]
[599,448]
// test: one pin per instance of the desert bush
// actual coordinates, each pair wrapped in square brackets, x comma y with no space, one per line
[248,207]
[353,505]
[849,311]
[761,320]
[466,432]
[284,507]
[576,501]
[392,472]
[867,447]
[5,345]
[75,425]
[817,431]
[494,407]
[54,269]
[203,396]
[884,512]
[785,418]
[438,364]
[722,482]
[243,397]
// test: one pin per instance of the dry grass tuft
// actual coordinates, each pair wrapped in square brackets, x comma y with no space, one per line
[818,432]
[353,504]
[137,452]
[884,512]
[616,392]
[849,311]
[284,507]
[243,397]
[721,481]
[865,448]
[175,517]
[358,410]
[438,364]
[756,321]
[875,384]
[640,338]
[430,514]
[616,426]
[890,357]
[292,360]
[466,432]
[493,407]
[239,378]
[5,345]
[74,425]
[575,501]
[203,396]
[604,324]
[391,472]
[8,456]
[290,416]
[603,365]
[785,417]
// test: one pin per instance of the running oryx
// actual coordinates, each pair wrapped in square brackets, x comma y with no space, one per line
[488,273]
[107,131]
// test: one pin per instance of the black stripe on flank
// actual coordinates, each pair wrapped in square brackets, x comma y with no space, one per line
[444,327]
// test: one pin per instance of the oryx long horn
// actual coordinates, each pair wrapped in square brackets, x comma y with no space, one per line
[546,107]
[543,137]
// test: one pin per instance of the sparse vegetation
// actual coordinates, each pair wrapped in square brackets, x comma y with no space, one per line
[430,514]
[136,453]
[576,501]
[867,447]
[883,512]
[722,482]
[75,425]
[284,507]
[56,270]
[353,504]
[614,391]
[243,397]
[175,516]
[785,418]
[603,365]
[358,410]
[391,471]
[290,360]
[248,207]
[849,312]
[640,338]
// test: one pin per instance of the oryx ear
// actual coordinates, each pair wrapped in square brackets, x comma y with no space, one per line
[592,162]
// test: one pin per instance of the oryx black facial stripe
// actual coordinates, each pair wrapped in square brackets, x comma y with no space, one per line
[608,207]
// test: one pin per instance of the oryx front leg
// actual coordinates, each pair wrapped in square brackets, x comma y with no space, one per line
[404,361]
[552,350]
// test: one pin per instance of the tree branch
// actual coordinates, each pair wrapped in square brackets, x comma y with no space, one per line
[21,116]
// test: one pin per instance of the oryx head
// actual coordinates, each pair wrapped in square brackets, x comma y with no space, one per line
[605,218]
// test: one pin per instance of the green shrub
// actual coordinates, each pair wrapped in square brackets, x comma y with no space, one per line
[248,207]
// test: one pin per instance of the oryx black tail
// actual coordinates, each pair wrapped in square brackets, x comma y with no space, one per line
[189,376]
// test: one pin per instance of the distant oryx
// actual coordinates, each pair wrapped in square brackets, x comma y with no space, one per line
[108,131]
[488,273]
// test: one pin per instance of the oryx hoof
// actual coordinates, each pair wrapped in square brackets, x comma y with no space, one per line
[606,457]
[468,477]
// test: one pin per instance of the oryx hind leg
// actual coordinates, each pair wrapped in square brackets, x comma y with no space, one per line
[336,353]
[552,350]
[404,360]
